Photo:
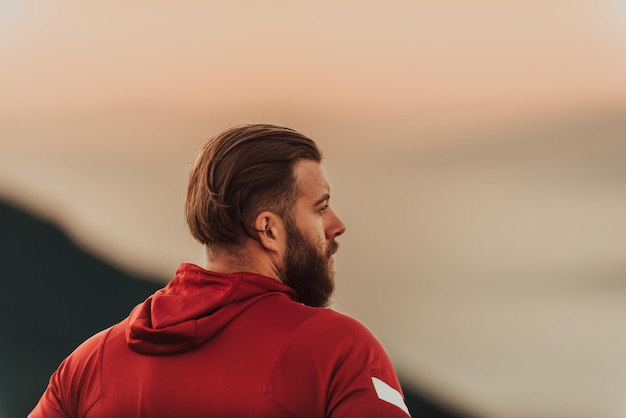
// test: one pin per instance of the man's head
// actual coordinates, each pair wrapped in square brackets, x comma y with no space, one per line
[239,173]
[264,183]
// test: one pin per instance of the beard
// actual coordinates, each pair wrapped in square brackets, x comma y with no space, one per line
[307,270]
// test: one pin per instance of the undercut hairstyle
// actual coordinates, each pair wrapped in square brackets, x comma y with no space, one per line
[240,173]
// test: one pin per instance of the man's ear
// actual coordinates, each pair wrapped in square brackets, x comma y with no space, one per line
[270,231]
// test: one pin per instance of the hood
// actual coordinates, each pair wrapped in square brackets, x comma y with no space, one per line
[194,307]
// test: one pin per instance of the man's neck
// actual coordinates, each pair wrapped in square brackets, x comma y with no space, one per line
[249,259]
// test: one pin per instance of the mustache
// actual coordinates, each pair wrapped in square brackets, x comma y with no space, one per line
[332,248]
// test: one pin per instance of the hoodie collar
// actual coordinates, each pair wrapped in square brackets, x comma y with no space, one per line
[194,307]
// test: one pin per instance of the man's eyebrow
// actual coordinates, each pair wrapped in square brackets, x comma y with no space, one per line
[323,199]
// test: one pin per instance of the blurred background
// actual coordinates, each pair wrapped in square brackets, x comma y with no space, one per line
[476,152]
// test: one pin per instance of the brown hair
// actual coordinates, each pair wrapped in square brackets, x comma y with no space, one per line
[238,174]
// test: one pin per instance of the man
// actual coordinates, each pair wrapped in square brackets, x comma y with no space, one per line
[249,335]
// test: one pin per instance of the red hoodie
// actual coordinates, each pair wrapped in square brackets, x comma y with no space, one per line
[226,345]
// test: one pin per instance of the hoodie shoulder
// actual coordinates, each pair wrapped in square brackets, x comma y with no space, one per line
[331,365]
[75,386]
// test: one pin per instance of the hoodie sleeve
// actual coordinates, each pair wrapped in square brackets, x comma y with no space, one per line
[75,385]
[334,367]
[52,403]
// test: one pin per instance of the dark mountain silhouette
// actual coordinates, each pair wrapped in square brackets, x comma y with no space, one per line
[55,295]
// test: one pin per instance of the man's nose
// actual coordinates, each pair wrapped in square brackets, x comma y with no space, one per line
[335,228]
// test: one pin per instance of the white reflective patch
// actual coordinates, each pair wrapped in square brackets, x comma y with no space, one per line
[389,394]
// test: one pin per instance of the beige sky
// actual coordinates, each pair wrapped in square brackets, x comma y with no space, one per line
[357,61]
